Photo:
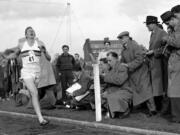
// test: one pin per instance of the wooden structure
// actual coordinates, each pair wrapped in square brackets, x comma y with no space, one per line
[95,46]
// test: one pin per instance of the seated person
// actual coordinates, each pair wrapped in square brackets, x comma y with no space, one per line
[82,97]
[117,93]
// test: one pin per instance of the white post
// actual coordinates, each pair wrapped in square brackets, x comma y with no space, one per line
[97,92]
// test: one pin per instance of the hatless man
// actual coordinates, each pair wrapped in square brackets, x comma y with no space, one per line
[103,53]
[65,64]
[77,64]
[118,92]
[156,65]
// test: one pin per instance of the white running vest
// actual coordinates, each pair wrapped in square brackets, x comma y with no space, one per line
[30,60]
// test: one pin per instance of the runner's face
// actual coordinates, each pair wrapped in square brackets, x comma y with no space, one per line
[30,34]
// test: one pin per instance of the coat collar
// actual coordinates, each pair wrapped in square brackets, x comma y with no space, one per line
[126,46]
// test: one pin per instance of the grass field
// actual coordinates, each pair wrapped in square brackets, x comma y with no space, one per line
[136,119]
[11,125]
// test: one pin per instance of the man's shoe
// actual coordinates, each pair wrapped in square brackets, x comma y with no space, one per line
[152,113]
[164,113]
[107,115]
[174,120]
[51,107]
[125,114]
[59,102]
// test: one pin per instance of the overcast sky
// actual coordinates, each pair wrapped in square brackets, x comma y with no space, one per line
[94,19]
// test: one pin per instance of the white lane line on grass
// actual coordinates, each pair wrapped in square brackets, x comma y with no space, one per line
[49,133]
[95,124]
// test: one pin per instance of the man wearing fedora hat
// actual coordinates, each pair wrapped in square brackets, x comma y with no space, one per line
[151,20]
[132,56]
[173,40]
[155,62]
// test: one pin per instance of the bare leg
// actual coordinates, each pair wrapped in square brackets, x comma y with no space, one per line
[29,82]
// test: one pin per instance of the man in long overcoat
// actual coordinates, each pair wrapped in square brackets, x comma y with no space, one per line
[156,65]
[133,57]
[165,52]
[173,40]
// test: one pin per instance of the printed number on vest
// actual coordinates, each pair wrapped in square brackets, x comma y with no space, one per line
[31,56]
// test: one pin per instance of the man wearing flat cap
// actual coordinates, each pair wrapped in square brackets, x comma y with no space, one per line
[124,33]
[166,16]
[176,11]
[173,40]
[156,73]
[132,56]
